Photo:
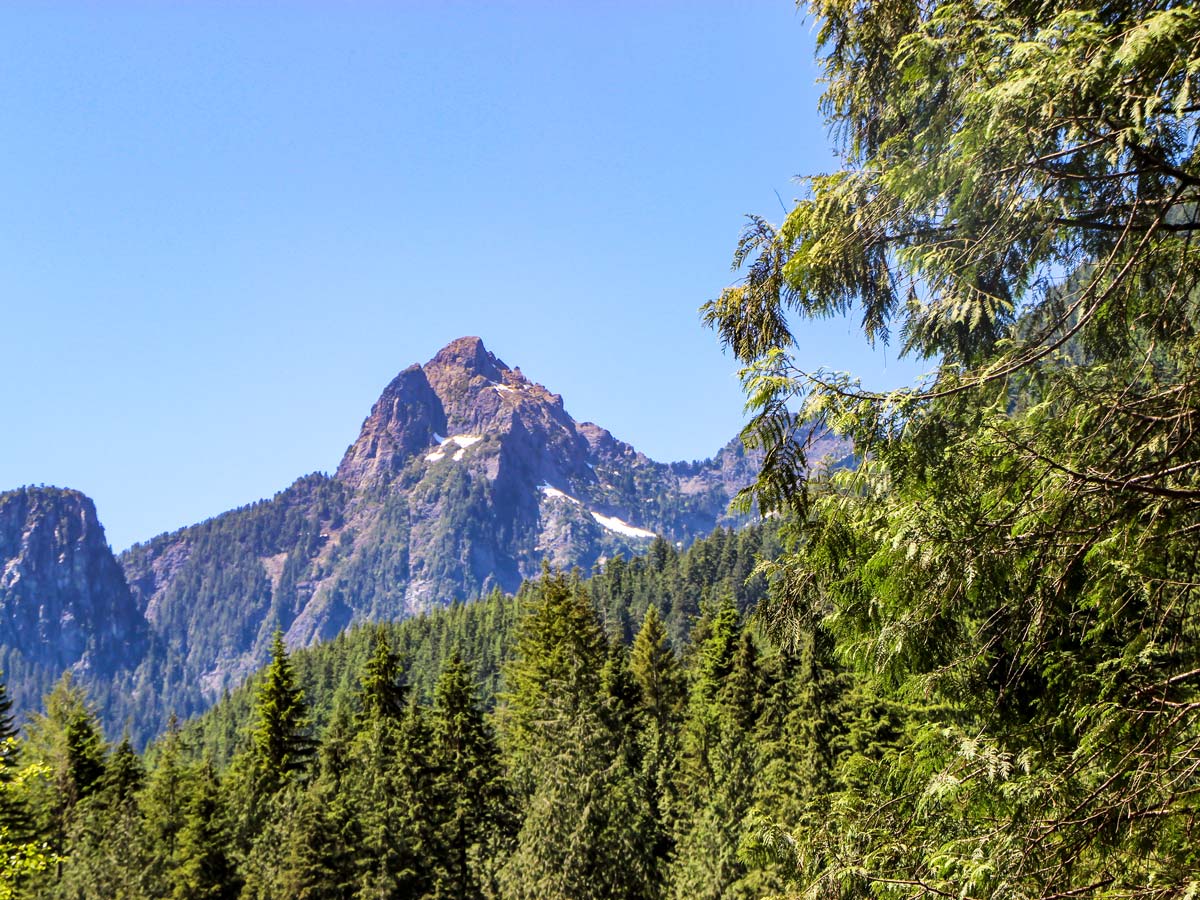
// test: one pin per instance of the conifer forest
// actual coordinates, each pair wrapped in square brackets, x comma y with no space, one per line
[964,663]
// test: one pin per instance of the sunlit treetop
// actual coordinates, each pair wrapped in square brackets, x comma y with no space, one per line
[1018,178]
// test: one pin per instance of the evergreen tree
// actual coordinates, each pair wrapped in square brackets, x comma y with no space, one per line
[282,746]
[163,804]
[14,815]
[383,690]
[1017,543]
[559,653]
[800,732]
[106,855]
[8,729]
[382,783]
[334,752]
[260,784]
[203,869]
[389,793]
[720,764]
[655,669]
[583,811]
[316,864]
[24,858]
[299,852]
[469,800]
[66,744]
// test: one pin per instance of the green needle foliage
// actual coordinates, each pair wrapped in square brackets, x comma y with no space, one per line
[8,728]
[24,858]
[383,694]
[470,805]
[282,746]
[203,869]
[1018,203]
[586,830]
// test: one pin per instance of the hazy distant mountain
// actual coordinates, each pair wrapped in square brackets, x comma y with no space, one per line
[465,477]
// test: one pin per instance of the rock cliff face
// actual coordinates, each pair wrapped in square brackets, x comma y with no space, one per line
[473,443]
[64,603]
[464,478]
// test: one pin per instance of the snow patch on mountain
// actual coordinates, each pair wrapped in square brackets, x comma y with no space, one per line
[556,494]
[612,523]
[462,440]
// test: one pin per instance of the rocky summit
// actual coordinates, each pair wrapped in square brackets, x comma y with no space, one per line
[64,601]
[466,477]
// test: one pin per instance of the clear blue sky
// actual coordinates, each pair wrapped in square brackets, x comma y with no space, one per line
[224,227]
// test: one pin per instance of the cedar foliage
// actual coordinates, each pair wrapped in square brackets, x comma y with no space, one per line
[1017,548]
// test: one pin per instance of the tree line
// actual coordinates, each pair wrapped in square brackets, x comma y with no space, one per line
[599,767]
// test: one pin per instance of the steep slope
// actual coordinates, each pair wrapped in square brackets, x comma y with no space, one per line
[675,582]
[215,592]
[64,603]
[465,477]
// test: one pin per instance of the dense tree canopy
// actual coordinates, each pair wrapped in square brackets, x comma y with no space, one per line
[597,769]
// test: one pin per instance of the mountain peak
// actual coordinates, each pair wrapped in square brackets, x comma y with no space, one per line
[469,354]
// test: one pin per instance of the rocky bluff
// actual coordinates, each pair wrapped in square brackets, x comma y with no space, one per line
[64,601]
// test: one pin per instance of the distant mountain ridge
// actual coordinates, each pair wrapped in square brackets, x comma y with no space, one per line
[465,477]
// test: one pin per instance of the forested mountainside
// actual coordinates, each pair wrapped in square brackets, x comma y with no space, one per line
[466,477]
[678,584]
[440,756]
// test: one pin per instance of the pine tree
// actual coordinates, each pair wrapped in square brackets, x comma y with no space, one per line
[583,824]
[8,724]
[277,759]
[316,863]
[805,709]
[14,816]
[334,752]
[559,653]
[106,855]
[163,808]
[66,740]
[203,870]
[282,746]
[24,859]
[383,691]
[656,669]
[469,800]
[388,791]
[719,764]
[384,791]
[299,852]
